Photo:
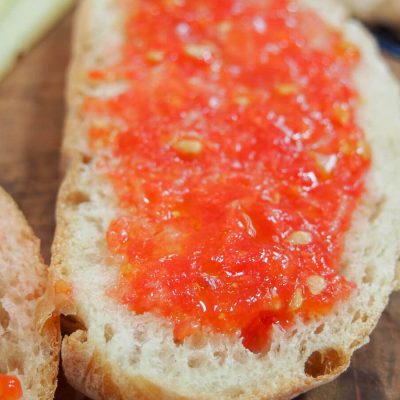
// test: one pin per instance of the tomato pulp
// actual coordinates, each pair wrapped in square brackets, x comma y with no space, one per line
[10,388]
[235,154]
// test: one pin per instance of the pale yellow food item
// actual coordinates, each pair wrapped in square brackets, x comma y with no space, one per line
[23,23]
[5,6]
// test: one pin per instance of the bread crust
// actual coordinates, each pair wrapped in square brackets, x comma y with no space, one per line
[89,372]
[80,352]
[50,333]
[40,370]
[376,11]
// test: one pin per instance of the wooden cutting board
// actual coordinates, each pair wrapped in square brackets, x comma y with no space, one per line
[31,123]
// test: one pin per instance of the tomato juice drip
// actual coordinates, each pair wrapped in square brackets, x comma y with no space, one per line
[237,160]
[10,388]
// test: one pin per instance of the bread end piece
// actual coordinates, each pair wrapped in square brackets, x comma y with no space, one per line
[29,327]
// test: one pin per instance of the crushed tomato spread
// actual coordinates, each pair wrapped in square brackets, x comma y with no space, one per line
[10,388]
[237,161]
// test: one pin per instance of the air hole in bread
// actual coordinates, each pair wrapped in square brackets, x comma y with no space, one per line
[86,159]
[17,299]
[302,347]
[35,294]
[77,198]
[368,275]
[97,222]
[356,317]
[140,336]
[293,333]
[71,324]
[15,363]
[4,317]
[195,362]
[235,393]
[13,281]
[134,357]
[240,356]
[220,356]
[81,336]
[25,236]
[324,362]
[197,342]
[377,209]
[108,332]
[178,342]
[319,329]
[3,290]
[9,337]
[365,318]
[371,301]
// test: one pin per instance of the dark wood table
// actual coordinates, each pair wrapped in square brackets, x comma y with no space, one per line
[31,122]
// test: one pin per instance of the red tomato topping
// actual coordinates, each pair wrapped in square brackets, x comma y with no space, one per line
[238,161]
[10,388]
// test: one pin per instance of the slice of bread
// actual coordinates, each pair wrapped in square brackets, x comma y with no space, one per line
[376,11]
[115,354]
[29,328]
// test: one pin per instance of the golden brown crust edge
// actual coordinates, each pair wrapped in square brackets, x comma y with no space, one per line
[47,321]
[89,372]
[50,332]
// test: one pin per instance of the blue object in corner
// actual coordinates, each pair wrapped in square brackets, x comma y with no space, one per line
[388,40]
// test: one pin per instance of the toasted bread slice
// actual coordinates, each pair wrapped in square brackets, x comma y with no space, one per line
[127,356]
[29,328]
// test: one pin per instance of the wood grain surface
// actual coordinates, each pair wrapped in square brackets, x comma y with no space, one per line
[31,121]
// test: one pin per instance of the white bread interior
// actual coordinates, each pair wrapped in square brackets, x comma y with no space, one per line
[29,331]
[127,356]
